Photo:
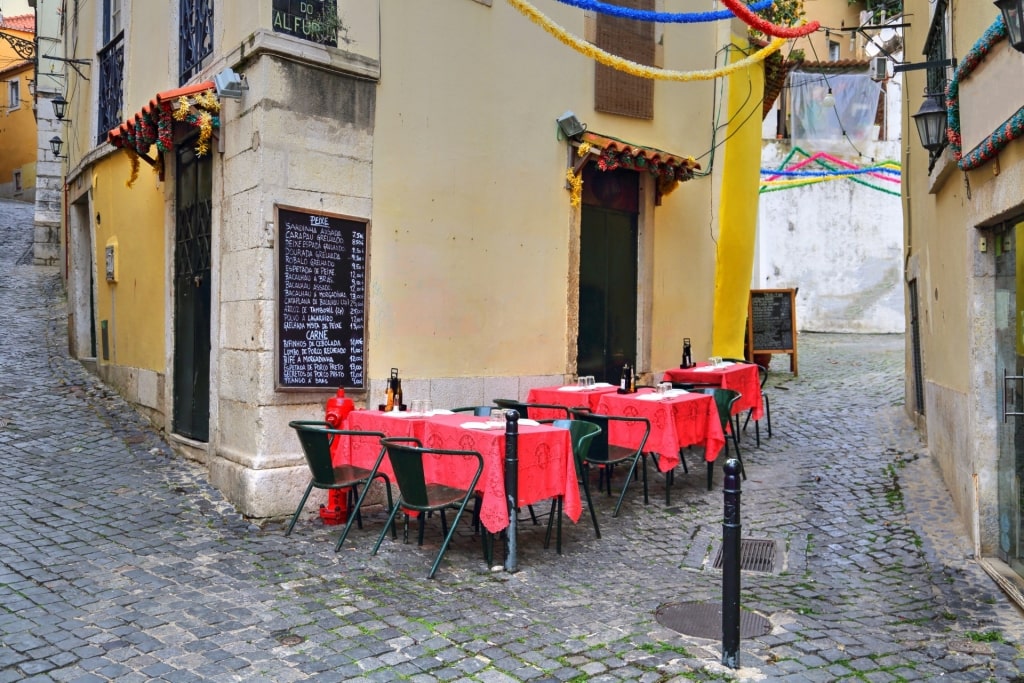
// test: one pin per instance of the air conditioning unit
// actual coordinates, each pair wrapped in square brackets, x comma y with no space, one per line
[879,68]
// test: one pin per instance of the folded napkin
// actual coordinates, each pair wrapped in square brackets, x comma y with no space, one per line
[402,413]
[650,397]
[706,368]
[528,422]
[440,411]
[571,387]
[602,385]
[480,425]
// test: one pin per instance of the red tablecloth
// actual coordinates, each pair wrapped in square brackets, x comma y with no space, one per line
[676,422]
[562,396]
[741,377]
[547,467]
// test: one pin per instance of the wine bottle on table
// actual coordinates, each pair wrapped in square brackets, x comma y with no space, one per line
[391,403]
[632,379]
[624,380]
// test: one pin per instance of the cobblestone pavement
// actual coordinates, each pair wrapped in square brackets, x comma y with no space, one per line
[119,562]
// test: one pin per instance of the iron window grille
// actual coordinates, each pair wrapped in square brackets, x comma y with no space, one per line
[111,84]
[195,37]
[935,50]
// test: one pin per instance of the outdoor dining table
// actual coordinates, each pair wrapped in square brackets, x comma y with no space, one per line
[547,467]
[570,396]
[742,377]
[678,419]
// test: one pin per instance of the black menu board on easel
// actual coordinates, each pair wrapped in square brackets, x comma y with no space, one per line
[771,323]
[321,300]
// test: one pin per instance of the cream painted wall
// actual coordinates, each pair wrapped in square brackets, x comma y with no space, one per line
[471,220]
[15,7]
[831,14]
[134,217]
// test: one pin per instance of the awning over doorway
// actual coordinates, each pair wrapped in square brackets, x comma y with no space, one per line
[194,105]
[611,153]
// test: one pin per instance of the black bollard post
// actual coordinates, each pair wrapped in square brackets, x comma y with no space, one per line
[512,485]
[731,567]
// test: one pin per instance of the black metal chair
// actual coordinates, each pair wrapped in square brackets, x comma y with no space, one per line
[604,454]
[316,438]
[416,493]
[581,433]
[724,400]
[762,373]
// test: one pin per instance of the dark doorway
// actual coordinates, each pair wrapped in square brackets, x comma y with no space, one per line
[608,273]
[194,182]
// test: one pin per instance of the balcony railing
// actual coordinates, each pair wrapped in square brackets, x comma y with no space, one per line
[111,83]
[195,37]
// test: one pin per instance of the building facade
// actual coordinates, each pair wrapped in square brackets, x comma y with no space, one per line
[17,122]
[962,208]
[287,197]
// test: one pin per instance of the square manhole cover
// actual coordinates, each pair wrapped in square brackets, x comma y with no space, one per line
[756,555]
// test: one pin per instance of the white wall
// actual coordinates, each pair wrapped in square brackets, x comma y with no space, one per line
[840,243]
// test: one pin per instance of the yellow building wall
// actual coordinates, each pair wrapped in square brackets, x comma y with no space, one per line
[18,126]
[471,218]
[132,305]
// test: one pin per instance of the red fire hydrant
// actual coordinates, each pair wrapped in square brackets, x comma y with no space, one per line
[336,510]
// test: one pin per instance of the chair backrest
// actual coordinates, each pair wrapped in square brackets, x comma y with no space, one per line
[724,398]
[599,442]
[316,438]
[478,411]
[581,433]
[406,456]
[523,408]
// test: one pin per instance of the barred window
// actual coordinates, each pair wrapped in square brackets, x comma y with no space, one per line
[616,92]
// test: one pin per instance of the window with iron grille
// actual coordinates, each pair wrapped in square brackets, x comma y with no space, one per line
[195,37]
[616,92]
[935,49]
[111,81]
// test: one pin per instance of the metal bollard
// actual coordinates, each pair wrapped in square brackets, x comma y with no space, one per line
[512,485]
[731,566]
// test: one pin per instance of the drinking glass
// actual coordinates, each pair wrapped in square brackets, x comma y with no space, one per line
[427,406]
[590,381]
[581,382]
[662,387]
[498,416]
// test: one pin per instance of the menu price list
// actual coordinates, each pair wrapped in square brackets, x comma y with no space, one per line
[322,293]
[772,314]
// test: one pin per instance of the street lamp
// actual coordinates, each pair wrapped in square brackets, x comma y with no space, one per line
[931,122]
[1013,17]
[55,145]
[60,106]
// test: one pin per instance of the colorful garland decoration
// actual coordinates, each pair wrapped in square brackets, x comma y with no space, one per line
[632,68]
[133,158]
[154,125]
[661,17]
[888,171]
[766,27]
[1011,129]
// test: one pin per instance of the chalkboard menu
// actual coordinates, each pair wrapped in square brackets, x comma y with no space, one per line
[771,323]
[321,300]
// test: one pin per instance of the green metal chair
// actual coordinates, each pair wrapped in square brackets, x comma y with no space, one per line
[724,400]
[316,438]
[406,455]
[523,408]
[603,454]
[762,373]
[581,433]
[478,411]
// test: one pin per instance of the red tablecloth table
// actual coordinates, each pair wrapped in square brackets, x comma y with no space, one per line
[547,467]
[363,452]
[742,377]
[676,422]
[568,396]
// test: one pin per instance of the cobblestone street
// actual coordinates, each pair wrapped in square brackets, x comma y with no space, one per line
[118,562]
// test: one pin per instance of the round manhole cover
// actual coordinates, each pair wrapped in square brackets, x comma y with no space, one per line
[289,640]
[704,620]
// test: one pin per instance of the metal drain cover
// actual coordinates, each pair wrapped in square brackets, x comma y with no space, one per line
[704,620]
[756,555]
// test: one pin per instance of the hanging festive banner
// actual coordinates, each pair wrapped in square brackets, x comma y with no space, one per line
[889,172]
[661,17]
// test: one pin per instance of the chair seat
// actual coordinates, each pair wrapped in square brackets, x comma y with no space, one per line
[346,475]
[439,495]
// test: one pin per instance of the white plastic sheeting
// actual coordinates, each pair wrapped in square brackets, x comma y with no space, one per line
[817,127]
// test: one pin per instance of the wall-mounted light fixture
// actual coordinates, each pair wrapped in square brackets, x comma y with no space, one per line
[230,84]
[1013,17]
[570,126]
[55,146]
[60,106]
[931,122]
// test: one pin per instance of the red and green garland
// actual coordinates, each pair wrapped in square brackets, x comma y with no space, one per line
[1011,129]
